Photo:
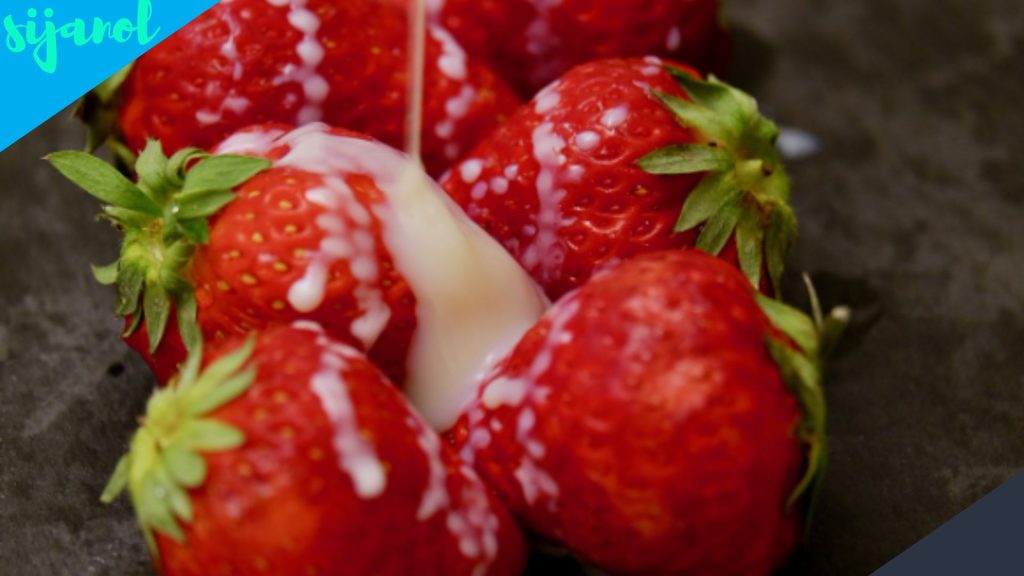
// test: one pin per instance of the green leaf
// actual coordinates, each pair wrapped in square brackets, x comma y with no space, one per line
[180,503]
[188,326]
[720,226]
[185,466]
[107,90]
[127,219]
[154,509]
[704,122]
[223,393]
[223,369]
[151,167]
[209,435]
[222,173]
[203,204]
[707,93]
[707,198]
[123,156]
[106,275]
[803,378]
[102,181]
[196,230]
[792,322]
[779,239]
[750,244]
[130,279]
[179,161]
[118,481]
[157,306]
[687,159]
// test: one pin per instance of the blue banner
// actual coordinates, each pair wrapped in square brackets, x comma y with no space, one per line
[987,538]
[54,51]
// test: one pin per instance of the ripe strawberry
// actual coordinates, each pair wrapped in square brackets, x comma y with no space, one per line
[292,454]
[300,61]
[645,424]
[532,42]
[312,224]
[621,157]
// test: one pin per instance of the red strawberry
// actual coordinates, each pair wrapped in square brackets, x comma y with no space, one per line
[645,423]
[299,61]
[532,42]
[292,454]
[314,224]
[621,157]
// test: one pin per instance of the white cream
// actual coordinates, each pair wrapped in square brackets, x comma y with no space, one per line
[547,99]
[473,301]
[452,60]
[587,140]
[310,52]
[547,252]
[674,40]
[526,393]
[233,102]
[614,117]
[470,170]
[356,456]
[469,519]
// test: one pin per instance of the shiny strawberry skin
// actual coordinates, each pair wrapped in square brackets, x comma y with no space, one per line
[532,42]
[282,503]
[239,64]
[611,208]
[643,425]
[260,245]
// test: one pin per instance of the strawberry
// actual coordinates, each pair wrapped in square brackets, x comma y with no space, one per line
[315,224]
[532,42]
[292,454]
[621,157]
[299,61]
[654,421]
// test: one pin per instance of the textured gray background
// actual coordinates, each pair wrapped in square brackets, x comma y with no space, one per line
[913,213]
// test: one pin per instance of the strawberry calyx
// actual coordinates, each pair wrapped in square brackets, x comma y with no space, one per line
[164,217]
[745,190]
[800,352]
[165,458]
[98,111]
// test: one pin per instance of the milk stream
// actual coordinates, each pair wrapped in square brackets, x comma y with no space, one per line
[417,73]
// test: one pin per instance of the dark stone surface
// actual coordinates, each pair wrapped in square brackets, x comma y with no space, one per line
[913,213]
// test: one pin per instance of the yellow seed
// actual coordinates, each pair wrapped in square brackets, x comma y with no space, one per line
[280,266]
[244,469]
[254,193]
[285,205]
[281,397]
[249,280]
[278,305]
[316,454]
[257,238]
[291,229]
[233,255]
[250,215]
[287,432]
[223,286]
[301,253]
[260,414]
